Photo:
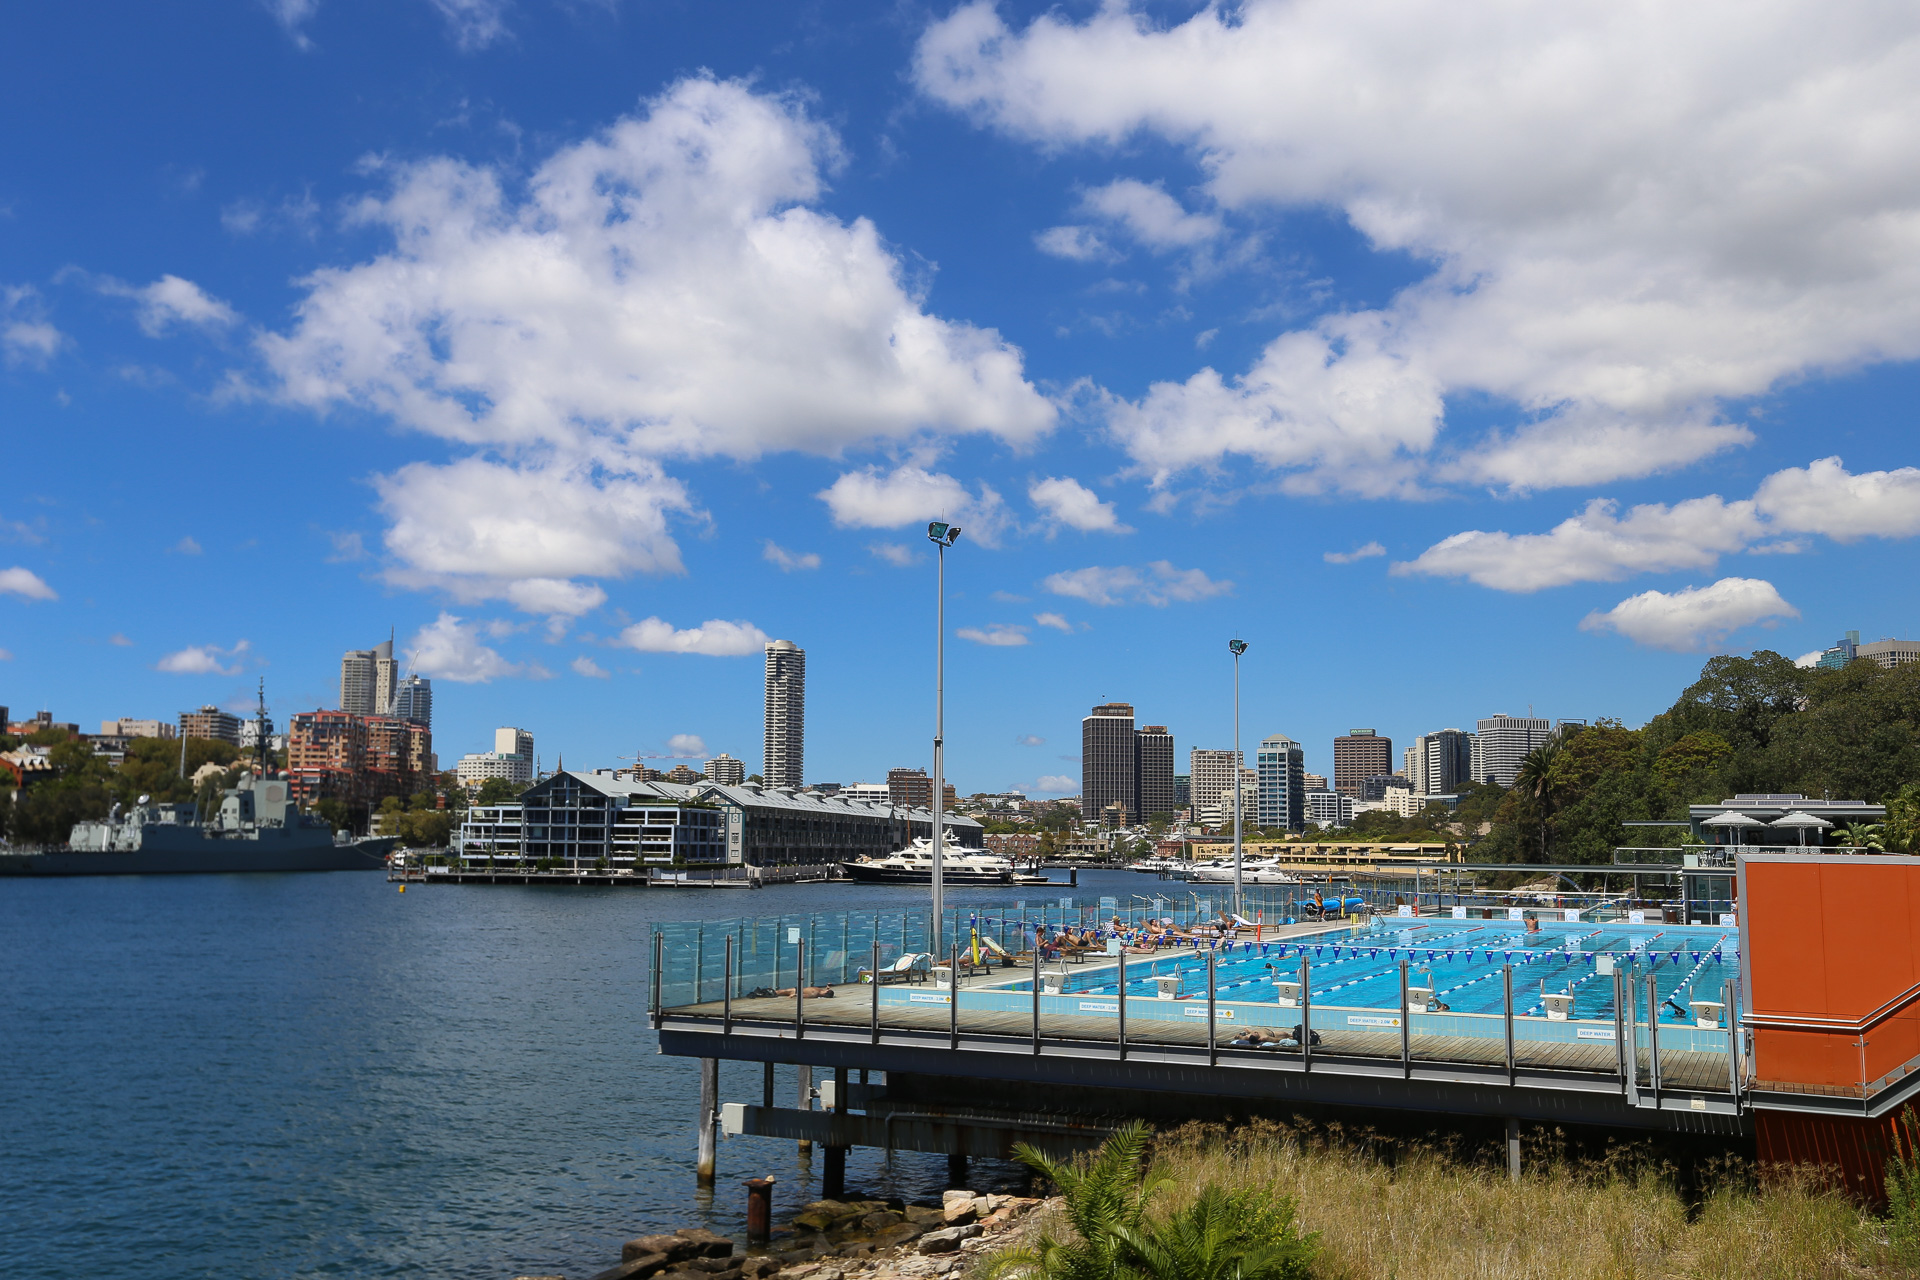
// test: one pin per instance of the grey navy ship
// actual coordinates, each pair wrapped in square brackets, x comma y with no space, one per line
[258,827]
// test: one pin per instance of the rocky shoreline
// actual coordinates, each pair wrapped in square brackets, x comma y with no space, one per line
[836,1240]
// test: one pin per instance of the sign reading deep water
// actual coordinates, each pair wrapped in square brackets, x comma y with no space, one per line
[1364,1020]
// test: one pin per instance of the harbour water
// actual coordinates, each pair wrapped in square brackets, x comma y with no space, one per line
[317,1076]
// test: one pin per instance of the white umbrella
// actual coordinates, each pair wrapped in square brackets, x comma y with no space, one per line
[1731,818]
[1803,821]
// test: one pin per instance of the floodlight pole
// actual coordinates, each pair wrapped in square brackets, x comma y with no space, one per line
[1237,647]
[942,536]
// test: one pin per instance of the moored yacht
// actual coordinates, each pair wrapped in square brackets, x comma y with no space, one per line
[914,865]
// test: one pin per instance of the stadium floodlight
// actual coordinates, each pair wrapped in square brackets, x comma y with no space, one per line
[943,533]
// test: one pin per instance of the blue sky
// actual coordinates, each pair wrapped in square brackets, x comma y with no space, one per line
[1461,358]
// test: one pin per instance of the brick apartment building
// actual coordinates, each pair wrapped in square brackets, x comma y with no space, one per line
[359,760]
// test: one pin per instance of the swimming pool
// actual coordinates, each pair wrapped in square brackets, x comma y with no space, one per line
[1460,960]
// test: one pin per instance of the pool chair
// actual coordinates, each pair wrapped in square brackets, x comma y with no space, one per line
[912,966]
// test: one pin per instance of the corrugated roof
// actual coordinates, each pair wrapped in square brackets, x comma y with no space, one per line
[752,797]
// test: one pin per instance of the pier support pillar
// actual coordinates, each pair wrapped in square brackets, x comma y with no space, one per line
[709,1119]
[833,1177]
[957,1173]
[1513,1148]
[805,1077]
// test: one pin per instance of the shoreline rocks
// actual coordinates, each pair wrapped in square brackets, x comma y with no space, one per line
[834,1240]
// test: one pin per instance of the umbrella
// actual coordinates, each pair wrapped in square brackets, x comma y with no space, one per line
[1732,818]
[1802,821]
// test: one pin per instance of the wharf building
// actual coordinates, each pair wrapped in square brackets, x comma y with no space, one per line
[1502,742]
[1360,755]
[597,819]
[1281,798]
[786,715]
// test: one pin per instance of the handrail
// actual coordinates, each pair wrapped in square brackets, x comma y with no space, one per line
[1816,1023]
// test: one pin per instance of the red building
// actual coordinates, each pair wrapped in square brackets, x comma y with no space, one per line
[358,760]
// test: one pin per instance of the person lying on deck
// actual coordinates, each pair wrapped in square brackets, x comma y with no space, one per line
[808,993]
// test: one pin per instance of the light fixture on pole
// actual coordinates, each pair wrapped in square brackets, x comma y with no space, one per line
[942,535]
[1236,647]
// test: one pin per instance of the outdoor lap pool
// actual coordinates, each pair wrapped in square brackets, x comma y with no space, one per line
[1459,960]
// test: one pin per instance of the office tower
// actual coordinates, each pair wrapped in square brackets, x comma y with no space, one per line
[911,788]
[1888,653]
[1502,743]
[413,701]
[1317,782]
[1153,772]
[1375,788]
[386,673]
[1182,792]
[1446,763]
[1211,787]
[1109,772]
[210,722]
[1413,766]
[1841,654]
[508,741]
[356,682]
[726,771]
[1281,768]
[785,755]
[1361,754]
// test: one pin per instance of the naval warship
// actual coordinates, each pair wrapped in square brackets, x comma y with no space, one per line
[258,827]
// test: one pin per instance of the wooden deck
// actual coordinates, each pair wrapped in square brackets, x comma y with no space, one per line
[1680,1070]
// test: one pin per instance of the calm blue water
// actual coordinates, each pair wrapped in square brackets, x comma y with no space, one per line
[315,1075]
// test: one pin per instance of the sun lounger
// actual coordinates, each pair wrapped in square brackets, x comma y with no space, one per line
[912,966]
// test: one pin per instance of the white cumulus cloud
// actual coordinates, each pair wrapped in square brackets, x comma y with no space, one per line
[894,553]
[1053,620]
[998,634]
[716,638]
[1595,546]
[775,554]
[1067,501]
[1365,552]
[1825,498]
[1055,784]
[1156,583]
[27,337]
[1809,659]
[875,499]
[171,301]
[687,746]
[1627,214]
[585,666]
[450,649]
[205,660]
[26,584]
[1693,618]
[668,288]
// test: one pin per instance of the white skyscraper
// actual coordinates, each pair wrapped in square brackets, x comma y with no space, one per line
[1502,743]
[1210,779]
[785,755]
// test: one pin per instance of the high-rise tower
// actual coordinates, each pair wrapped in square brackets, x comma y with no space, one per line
[367,680]
[1109,767]
[1362,754]
[786,714]
[413,700]
[1153,771]
[1282,795]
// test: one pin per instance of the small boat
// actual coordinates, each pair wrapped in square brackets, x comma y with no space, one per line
[914,865]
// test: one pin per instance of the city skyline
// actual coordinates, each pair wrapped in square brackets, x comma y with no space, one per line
[879,268]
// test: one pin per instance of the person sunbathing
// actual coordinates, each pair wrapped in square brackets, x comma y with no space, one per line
[807,993]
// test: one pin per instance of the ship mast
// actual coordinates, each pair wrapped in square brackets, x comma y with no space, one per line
[262,752]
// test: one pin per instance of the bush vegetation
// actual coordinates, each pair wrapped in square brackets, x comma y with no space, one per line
[1362,1207]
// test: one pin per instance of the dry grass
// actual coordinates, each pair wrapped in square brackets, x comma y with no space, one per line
[1390,1211]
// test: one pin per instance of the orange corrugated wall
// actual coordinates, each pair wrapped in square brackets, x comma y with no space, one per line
[1834,938]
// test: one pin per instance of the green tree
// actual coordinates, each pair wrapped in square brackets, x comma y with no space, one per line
[498,791]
